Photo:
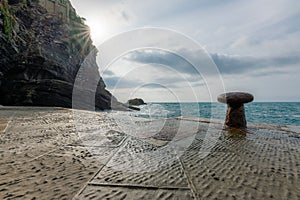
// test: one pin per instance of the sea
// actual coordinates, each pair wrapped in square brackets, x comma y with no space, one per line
[281,113]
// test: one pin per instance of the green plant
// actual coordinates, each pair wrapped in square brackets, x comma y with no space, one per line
[8,18]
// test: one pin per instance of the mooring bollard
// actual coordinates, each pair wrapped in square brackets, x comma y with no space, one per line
[235,114]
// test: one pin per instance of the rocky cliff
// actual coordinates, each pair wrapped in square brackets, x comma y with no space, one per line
[40,55]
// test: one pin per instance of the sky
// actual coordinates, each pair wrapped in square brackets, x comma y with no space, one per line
[254,47]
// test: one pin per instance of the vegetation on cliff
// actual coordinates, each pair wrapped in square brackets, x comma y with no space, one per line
[8,18]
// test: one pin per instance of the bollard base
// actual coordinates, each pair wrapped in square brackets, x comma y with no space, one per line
[235,117]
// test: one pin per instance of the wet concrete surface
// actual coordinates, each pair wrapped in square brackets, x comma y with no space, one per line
[54,153]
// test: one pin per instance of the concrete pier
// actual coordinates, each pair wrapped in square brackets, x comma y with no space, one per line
[54,153]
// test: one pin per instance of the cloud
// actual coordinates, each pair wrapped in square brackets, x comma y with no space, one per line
[280,28]
[174,61]
[245,38]
[125,16]
[108,73]
[230,64]
[269,73]
[119,82]
[156,81]
[245,41]
[133,74]
[227,64]
[286,60]
[153,86]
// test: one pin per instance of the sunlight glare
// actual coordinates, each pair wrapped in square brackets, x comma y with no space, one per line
[98,29]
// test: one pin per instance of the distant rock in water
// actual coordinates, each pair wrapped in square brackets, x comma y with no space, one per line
[136,102]
[41,54]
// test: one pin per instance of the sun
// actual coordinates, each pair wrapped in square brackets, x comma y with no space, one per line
[98,29]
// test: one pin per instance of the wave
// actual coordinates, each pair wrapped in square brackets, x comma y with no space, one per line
[152,110]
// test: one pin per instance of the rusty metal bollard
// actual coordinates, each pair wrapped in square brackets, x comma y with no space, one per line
[235,115]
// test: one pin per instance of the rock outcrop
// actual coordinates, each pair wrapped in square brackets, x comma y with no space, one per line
[136,102]
[40,56]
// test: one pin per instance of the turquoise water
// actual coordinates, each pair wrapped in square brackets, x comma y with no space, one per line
[283,113]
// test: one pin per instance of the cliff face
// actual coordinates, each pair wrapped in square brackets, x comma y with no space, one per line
[40,55]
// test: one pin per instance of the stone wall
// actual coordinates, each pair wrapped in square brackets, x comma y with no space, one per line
[61,8]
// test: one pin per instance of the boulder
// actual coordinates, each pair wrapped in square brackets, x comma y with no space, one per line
[136,102]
